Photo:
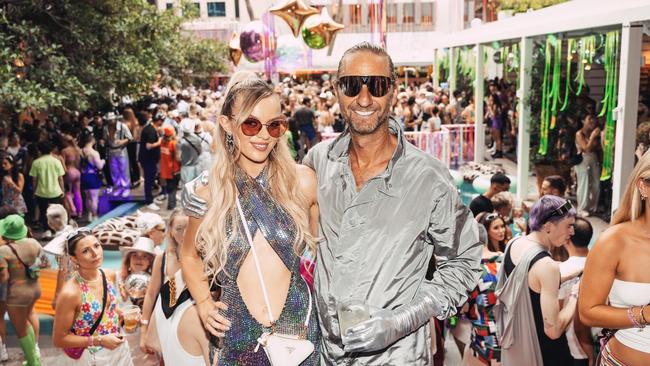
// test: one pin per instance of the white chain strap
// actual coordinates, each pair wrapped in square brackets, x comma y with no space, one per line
[259,270]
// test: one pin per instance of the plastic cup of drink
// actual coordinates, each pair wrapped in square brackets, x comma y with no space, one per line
[131,315]
[351,313]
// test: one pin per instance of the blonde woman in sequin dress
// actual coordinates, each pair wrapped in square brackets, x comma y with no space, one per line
[252,163]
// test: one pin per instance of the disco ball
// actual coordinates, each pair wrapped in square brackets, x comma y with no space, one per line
[136,284]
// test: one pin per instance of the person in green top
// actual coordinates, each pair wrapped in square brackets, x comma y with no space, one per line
[47,176]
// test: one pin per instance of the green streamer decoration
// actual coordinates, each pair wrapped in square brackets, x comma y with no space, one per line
[550,90]
[443,63]
[610,61]
[586,52]
[543,128]
[571,44]
[555,86]
[466,62]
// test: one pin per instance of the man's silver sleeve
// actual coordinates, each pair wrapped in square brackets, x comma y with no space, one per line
[192,204]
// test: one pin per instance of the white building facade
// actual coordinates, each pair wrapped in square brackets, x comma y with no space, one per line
[411,25]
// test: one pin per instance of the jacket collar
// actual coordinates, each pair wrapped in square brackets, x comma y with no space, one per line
[339,151]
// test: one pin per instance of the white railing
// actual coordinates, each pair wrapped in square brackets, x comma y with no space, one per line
[453,144]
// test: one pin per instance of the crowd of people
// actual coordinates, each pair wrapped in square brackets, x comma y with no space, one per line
[362,253]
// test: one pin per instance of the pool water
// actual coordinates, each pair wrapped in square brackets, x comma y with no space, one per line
[467,192]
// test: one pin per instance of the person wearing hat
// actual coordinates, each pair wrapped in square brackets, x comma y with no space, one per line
[170,169]
[19,265]
[118,135]
[152,226]
[137,258]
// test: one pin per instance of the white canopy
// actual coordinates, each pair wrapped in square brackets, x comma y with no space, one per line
[570,16]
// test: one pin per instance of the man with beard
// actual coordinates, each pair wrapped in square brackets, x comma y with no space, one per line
[386,210]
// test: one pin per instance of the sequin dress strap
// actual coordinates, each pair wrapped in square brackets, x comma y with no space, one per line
[192,204]
[267,215]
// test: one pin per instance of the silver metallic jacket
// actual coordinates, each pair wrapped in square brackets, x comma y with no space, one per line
[377,245]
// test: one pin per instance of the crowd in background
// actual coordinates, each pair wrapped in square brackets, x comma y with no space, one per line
[54,172]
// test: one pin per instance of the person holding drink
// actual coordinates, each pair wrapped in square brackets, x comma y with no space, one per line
[134,279]
[386,210]
[390,215]
[87,323]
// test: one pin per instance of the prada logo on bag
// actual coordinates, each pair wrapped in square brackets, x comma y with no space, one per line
[291,349]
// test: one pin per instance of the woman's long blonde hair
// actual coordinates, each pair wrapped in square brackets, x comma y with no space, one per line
[632,207]
[219,226]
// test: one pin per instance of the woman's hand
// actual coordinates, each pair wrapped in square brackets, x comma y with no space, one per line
[143,341]
[112,341]
[214,322]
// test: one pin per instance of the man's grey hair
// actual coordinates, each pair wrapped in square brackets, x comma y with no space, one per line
[368,47]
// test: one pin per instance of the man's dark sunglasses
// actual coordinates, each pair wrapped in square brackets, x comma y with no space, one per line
[378,86]
[560,211]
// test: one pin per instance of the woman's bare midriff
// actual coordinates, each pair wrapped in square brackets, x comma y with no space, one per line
[627,355]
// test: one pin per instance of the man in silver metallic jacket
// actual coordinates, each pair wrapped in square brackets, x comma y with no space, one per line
[386,209]
[389,216]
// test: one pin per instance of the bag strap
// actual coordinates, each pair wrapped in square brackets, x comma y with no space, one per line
[17,256]
[101,315]
[259,270]
[191,144]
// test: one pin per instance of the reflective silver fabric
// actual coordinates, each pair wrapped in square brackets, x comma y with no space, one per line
[192,204]
[378,243]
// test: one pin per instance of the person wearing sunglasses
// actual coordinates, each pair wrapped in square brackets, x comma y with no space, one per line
[254,171]
[530,322]
[386,208]
[87,323]
[615,287]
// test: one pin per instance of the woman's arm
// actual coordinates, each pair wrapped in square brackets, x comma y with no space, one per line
[150,299]
[69,301]
[599,274]
[96,160]
[547,272]
[193,274]
[21,182]
[309,188]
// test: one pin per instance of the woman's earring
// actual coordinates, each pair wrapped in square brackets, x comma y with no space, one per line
[230,143]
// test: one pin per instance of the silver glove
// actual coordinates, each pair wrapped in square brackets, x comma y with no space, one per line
[388,326]
[192,204]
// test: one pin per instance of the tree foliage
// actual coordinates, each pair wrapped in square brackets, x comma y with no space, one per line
[87,53]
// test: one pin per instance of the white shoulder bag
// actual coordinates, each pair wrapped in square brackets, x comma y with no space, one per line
[281,349]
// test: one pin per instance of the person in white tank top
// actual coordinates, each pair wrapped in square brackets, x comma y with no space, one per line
[615,290]
[169,326]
